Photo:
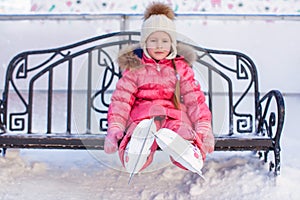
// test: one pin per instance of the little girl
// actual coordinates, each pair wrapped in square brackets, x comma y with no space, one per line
[158,82]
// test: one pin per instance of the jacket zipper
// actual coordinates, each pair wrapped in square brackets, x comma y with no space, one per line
[157,67]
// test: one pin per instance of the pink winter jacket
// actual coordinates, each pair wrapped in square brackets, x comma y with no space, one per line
[146,89]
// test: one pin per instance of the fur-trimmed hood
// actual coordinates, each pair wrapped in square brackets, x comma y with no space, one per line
[130,56]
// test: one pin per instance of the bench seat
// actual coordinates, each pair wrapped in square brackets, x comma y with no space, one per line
[96,141]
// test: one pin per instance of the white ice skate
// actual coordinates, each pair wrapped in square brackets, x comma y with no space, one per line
[139,147]
[180,149]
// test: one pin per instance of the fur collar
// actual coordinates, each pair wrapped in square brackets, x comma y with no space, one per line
[130,56]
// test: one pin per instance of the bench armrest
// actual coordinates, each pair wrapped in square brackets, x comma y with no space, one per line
[271,113]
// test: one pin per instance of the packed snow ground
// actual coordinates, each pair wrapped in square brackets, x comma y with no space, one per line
[93,175]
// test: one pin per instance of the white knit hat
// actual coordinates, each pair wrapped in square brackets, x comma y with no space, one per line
[159,17]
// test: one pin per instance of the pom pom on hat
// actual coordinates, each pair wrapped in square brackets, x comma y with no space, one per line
[159,9]
[159,17]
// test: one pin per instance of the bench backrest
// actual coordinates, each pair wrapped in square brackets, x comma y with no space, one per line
[68,89]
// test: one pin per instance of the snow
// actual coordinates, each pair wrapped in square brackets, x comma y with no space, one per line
[85,174]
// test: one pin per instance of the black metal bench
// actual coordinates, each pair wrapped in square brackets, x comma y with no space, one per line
[58,98]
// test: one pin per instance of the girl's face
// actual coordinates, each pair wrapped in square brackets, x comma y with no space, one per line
[159,45]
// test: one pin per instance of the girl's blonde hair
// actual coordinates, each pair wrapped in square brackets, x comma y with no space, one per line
[176,97]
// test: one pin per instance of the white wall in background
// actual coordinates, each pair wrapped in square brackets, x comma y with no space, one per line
[273,45]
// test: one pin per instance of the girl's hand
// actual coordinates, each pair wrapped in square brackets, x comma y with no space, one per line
[206,136]
[111,142]
[208,142]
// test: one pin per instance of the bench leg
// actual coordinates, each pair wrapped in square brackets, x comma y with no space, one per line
[277,161]
[263,155]
[266,156]
[3,152]
[272,165]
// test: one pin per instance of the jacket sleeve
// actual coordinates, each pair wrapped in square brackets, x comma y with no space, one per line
[121,102]
[193,97]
